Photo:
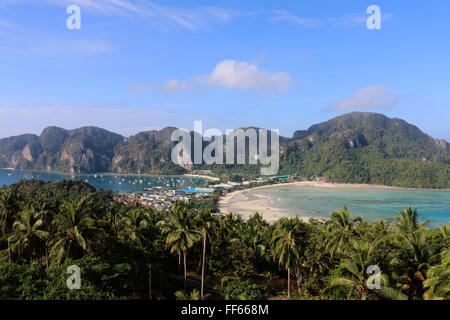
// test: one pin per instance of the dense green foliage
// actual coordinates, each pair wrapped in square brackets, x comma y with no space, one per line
[243,290]
[46,227]
[369,164]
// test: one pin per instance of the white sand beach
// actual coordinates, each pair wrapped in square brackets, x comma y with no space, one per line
[264,205]
[200,176]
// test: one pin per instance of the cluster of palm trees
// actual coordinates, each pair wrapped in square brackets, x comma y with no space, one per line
[402,248]
[33,231]
[343,244]
[327,259]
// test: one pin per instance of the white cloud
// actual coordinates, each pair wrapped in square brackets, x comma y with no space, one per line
[375,97]
[22,39]
[282,15]
[174,85]
[351,20]
[126,121]
[163,17]
[347,20]
[144,87]
[170,86]
[245,76]
[230,74]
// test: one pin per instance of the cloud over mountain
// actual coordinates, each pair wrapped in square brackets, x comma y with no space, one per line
[374,97]
[230,74]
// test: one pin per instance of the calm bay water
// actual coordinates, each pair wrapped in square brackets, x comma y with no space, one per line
[120,183]
[370,203]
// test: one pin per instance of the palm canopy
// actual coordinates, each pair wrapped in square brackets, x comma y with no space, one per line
[205,222]
[9,206]
[286,242]
[340,228]
[74,219]
[411,236]
[133,223]
[256,234]
[410,242]
[407,222]
[354,264]
[438,279]
[28,232]
[180,228]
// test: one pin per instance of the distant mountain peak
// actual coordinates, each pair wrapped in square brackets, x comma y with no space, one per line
[353,147]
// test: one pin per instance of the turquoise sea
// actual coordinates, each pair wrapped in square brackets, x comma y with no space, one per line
[120,183]
[371,203]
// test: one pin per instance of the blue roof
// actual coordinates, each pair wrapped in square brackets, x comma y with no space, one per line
[197,191]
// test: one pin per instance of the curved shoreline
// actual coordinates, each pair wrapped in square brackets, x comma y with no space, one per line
[271,214]
[116,174]
[200,177]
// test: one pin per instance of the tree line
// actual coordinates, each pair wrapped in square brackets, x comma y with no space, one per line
[46,227]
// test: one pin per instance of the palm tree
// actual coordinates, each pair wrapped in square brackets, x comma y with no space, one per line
[9,206]
[256,234]
[410,240]
[438,279]
[28,232]
[232,226]
[180,230]
[205,223]
[407,222]
[287,246]
[340,228]
[113,219]
[73,220]
[316,260]
[357,258]
[445,232]
[133,223]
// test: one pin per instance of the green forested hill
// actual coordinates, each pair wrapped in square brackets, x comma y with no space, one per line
[356,147]
[368,148]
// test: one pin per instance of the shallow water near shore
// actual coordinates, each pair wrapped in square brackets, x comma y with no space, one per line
[120,183]
[371,203]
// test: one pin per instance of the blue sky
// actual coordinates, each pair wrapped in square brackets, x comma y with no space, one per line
[140,65]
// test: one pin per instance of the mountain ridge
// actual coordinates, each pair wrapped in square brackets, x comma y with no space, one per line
[354,147]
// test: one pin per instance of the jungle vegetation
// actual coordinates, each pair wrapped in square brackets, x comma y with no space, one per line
[192,254]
